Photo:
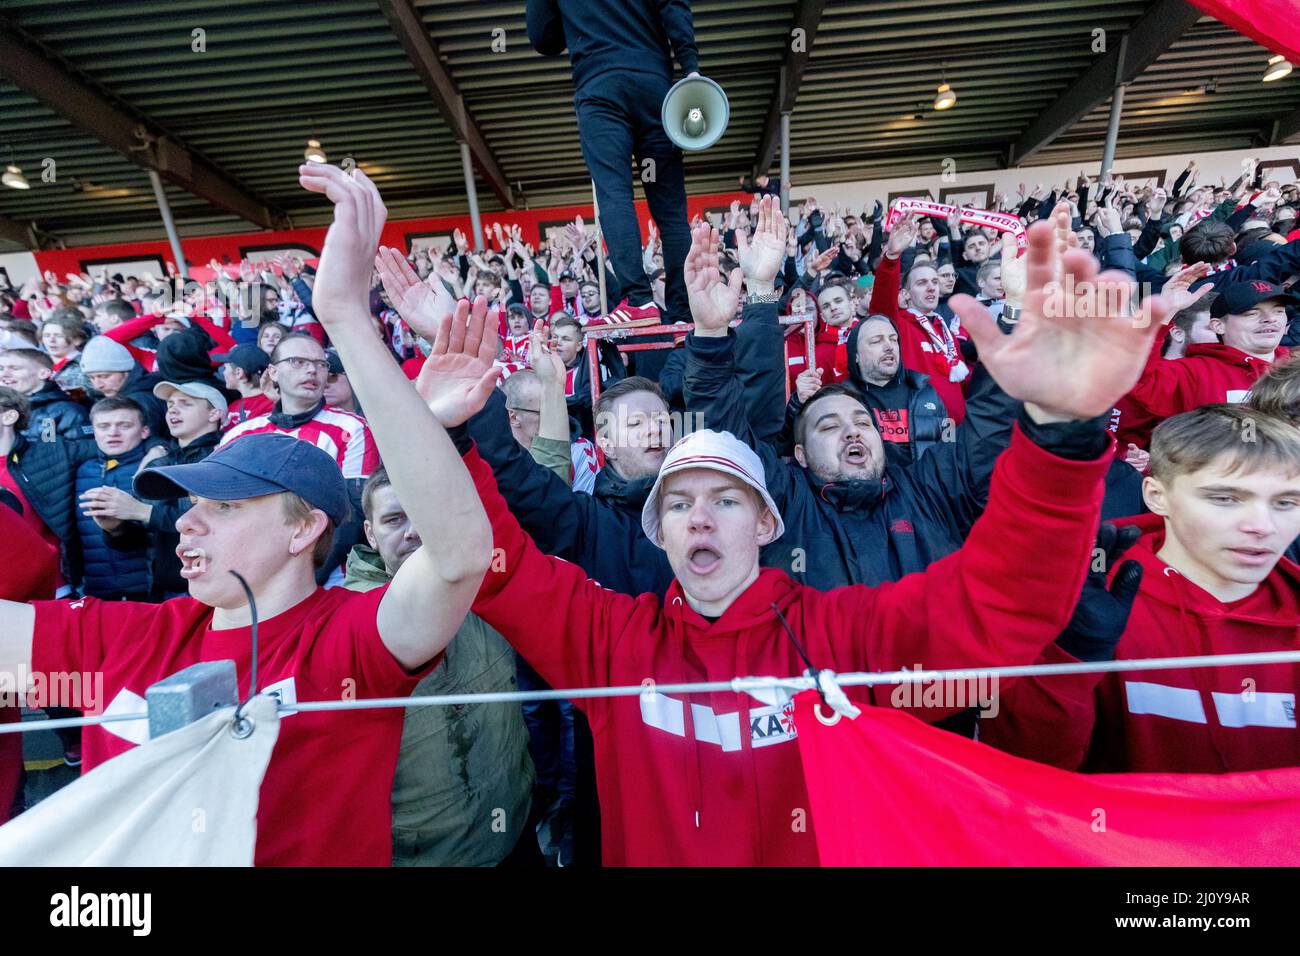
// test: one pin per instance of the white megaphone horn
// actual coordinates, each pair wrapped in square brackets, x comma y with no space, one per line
[695,113]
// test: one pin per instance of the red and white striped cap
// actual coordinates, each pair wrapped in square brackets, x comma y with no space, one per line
[717,451]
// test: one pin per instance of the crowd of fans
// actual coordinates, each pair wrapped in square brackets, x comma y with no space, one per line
[878,457]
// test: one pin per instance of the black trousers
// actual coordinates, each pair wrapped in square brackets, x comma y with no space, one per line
[618,120]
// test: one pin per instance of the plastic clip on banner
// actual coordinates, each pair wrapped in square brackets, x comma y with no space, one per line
[1001,221]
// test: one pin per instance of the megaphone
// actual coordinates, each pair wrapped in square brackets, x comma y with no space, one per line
[695,113]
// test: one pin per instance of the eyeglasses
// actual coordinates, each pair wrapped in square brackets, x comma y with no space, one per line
[302,364]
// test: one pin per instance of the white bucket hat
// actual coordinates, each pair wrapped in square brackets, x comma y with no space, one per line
[717,451]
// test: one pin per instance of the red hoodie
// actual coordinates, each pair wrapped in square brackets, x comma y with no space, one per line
[1208,374]
[713,780]
[1191,720]
[914,345]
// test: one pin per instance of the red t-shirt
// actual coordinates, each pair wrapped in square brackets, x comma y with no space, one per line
[326,796]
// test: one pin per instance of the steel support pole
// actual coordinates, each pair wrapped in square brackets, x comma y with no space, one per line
[471,193]
[1116,109]
[785,164]
[166,211]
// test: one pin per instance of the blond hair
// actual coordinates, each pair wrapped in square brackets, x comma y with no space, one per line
[1277,391]
[297,510]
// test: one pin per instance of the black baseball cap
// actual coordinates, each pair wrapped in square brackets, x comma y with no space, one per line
[264,464]
[1236,297]
[568,274]
[249,357]
[336,363]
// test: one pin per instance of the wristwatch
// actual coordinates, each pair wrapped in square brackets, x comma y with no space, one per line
[766,298]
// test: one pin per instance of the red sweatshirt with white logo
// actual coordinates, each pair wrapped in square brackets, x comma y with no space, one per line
[1189,720]
[715,779]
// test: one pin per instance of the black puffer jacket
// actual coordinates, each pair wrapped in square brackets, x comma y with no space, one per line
[159,535]
[46,473]
[55,412]
[109,573]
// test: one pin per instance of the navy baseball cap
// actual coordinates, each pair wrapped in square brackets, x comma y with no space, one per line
[336,363]
[568,274]
[264,464]
[1235,298]
[248,357]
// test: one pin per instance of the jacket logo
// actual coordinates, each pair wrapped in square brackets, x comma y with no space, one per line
[767,725]
[902,526]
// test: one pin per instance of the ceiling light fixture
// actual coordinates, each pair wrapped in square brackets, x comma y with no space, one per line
[1278,67]
[313,153]
[945,98]
[13,176]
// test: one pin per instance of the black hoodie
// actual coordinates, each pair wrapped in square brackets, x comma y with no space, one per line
[908,412]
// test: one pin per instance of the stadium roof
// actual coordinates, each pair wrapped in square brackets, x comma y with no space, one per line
[106,90]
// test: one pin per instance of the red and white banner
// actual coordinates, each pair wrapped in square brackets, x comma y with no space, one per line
[1001,221]
[886,789]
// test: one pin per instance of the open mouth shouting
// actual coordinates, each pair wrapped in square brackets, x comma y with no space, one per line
[703,559]
[194,561]
[855,453]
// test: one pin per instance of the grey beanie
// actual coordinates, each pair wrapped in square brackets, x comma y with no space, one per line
[102,354]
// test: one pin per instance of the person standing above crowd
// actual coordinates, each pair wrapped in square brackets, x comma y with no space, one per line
[621,52]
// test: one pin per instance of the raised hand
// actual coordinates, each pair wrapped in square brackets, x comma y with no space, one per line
[1078,346]
[807,384]
[713,301]
[459,374]
[1062,233]
[1178,288]
[901,236]
[761,256]
[1107,220]
[421,305]
[342,288]
[1156,203]
[544,360]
